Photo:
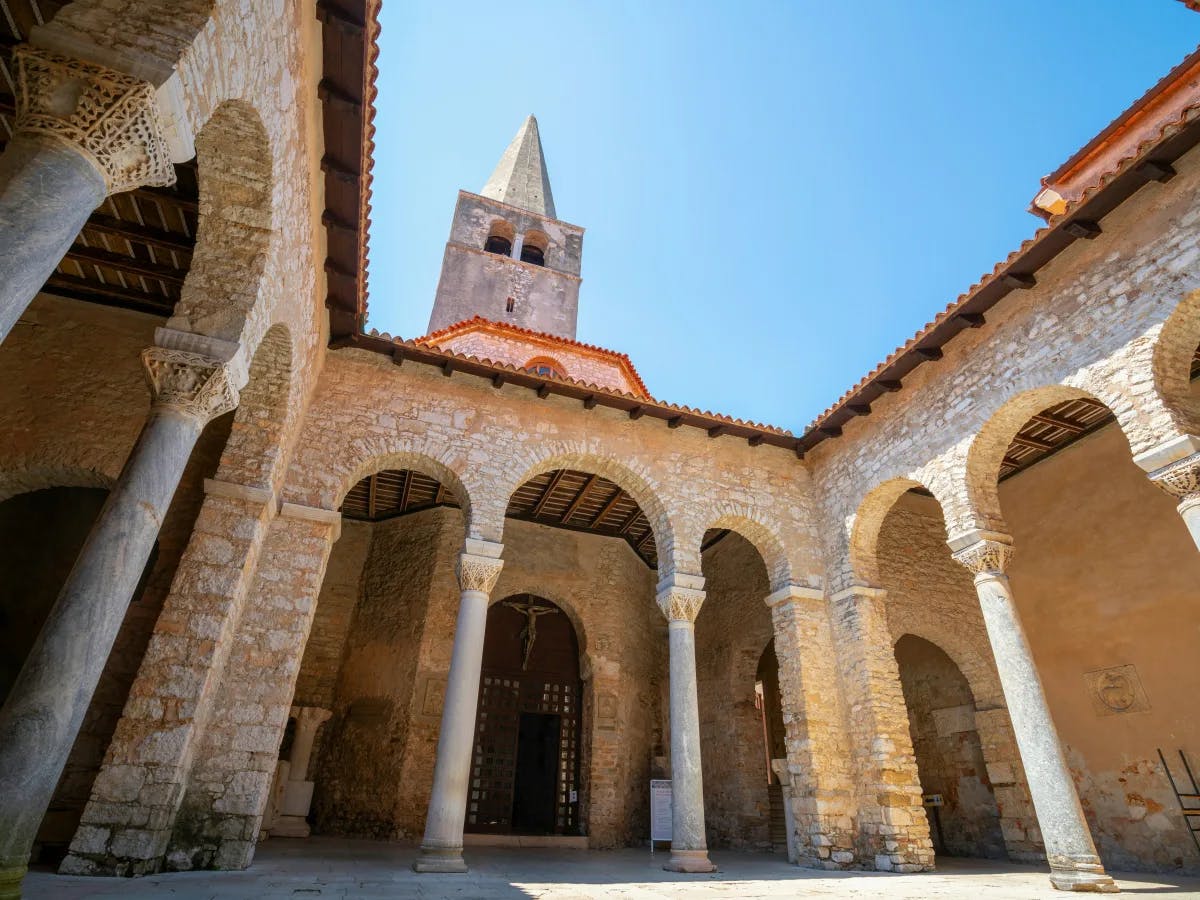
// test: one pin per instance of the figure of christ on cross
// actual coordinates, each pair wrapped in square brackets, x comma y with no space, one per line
[529,632]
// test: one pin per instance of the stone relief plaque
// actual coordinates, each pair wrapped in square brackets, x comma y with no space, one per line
[606,712]
[1116,690]
[431,691]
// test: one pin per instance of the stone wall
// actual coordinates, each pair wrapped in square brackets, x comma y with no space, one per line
[941,716]
[732,630]
[376,756]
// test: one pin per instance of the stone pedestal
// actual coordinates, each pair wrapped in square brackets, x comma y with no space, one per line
[680,600]
[1074,863]
[442,846]
[82,132]
[44,709]
[295,792]
[275,799]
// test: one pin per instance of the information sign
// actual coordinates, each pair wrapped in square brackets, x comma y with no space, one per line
[660,810]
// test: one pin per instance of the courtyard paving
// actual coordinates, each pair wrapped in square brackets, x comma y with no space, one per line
[334,867]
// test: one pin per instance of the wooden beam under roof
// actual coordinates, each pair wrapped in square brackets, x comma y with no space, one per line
[580,497]
[608,507]
[544,499]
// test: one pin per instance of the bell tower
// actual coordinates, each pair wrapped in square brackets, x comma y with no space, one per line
[509,258]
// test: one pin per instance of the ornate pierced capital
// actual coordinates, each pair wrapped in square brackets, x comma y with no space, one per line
[310,717]
[478,573]
[680,604]
[985,557]
[109,117]
[1181,479]
[190,383]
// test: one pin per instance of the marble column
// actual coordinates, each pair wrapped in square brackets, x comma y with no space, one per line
[442,847]
[44,709]
[1181,479]
[82,132]
[1074,863]
[680,599]
[297,789]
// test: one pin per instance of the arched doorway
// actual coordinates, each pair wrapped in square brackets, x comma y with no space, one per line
[769,700]
[525,769]
[964,817]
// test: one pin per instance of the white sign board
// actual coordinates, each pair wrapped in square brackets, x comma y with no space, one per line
[660,809]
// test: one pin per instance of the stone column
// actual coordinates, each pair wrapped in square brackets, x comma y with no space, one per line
[298,790]
[45,707]
[1181,479]
[784,774]
[442,847]
[82,132]
[1074,863]
[680,599]
[893,832]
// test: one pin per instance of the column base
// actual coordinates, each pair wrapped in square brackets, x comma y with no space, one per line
[10,882]
[291,826]
[448,860]
[1083,877]
[694,861]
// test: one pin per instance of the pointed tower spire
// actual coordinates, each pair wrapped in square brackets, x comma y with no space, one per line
[521,179]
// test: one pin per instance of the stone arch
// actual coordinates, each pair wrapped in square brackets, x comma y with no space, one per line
[978,480]
[147,38]
[866,524]
[633,477]
[980,674]
[523,583]
[236,174]
[1171,363]
[762,537]
[15,481]
[428,457]
[265,406]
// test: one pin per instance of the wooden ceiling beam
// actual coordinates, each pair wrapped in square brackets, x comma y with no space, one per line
[372,485]
[550,486]
[1025,440]
[608,507]
[405,490]
[146,234]
[579,498]
[1058,422]
[108,294]
[96,256]
[633,517]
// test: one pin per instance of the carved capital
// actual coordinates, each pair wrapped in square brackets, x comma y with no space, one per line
[478,573]
[1181,479]
[985,557]
[189,383]
[109,117]
[680,604]
[310,717]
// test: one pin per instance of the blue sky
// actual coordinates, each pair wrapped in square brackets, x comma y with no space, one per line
[776,194]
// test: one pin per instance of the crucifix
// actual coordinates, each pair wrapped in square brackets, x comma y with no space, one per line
[529,632]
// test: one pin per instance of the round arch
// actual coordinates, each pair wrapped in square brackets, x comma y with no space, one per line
[985,453]
[635,481]
[762,537]
[868,521]
[1171,363]
[234,158]
[15,481]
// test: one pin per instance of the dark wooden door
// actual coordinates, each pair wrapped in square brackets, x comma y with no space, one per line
[525,768]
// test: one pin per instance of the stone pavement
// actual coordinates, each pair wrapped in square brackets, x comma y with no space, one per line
[335,867]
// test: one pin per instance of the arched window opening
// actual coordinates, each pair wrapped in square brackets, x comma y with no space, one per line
[544,365]
[500,238]
[501,246]
[534,246]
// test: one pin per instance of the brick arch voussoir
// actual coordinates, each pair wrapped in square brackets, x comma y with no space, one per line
[751,525]
[861,529]
[226,288]
[1169,364]
[637,478]
[354,460]
[978,475]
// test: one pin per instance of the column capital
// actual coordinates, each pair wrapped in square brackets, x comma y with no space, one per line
[189,383]
[478,573]
[983,552]
[1180,479]
[680,604]
[109,117]
[310,716]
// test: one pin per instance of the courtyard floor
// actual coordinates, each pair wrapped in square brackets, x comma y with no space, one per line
[334,867]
